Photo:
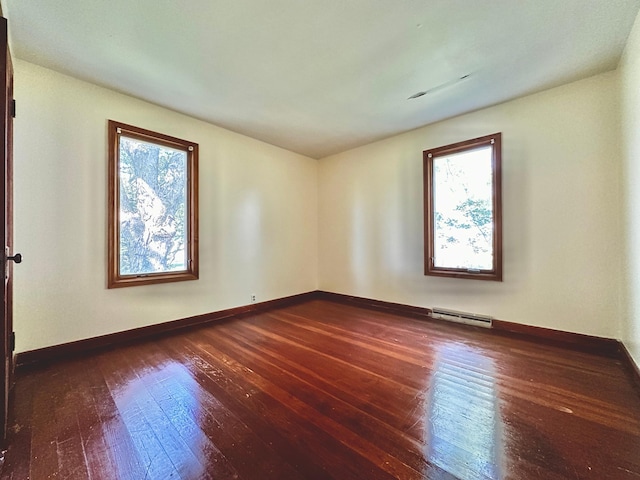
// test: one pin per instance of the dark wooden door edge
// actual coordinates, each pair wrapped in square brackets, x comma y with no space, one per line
[80,347]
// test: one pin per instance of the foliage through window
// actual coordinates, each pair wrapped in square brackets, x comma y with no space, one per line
[152,207]
[463,217]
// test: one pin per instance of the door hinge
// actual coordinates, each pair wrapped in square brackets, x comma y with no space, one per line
[13,108]
[12,341]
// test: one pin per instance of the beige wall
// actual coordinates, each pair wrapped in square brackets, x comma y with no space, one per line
[630,94]
[258,210]
[561,205]
[269,217]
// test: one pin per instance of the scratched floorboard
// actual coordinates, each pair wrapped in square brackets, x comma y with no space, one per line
[320,391]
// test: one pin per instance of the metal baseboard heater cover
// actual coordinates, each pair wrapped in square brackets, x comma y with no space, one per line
[462,317]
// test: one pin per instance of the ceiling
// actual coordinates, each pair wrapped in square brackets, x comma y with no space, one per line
[322,76]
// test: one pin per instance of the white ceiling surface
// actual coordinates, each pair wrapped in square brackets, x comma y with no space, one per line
[322,76]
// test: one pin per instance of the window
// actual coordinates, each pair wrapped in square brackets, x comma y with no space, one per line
[462,209]
[153,207]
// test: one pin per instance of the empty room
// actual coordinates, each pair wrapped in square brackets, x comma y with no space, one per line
[321,240]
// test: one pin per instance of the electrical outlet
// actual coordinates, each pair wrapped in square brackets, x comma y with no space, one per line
[253,298]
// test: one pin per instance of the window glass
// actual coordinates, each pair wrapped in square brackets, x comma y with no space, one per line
[152,207]
[462,209]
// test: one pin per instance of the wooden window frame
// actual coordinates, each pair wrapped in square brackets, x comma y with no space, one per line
[114,278]
[495,274]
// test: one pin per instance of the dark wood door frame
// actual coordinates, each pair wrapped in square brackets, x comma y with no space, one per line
[6,227]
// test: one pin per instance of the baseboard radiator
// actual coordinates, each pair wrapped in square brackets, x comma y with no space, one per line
[462,317]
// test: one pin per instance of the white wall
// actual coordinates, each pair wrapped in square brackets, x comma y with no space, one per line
[266,213]
[258,215]
[561,213]
[630,93]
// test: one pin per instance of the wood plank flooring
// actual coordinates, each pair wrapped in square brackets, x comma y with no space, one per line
[321,390]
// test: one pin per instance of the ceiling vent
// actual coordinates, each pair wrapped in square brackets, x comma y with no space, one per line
[462,317]
[450,83]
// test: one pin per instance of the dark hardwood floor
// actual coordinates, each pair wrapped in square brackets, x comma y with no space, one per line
[321,390]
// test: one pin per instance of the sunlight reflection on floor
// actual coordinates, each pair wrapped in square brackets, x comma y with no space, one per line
[158,407]
[463,420]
